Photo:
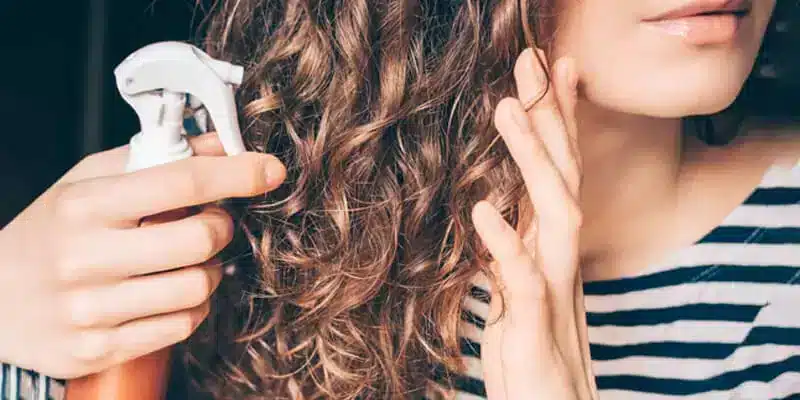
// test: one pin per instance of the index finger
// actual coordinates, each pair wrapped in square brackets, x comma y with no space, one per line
[112,162]
[184,183]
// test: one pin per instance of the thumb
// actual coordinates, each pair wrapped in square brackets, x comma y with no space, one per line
[112,162]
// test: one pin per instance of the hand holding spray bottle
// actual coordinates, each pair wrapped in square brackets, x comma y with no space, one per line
[159,81]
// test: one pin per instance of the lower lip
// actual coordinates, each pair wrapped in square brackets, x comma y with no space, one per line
[701,30]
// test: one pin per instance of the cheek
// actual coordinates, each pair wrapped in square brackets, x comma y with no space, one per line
[628,68]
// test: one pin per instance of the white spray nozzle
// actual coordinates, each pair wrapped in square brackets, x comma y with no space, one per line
[155,79]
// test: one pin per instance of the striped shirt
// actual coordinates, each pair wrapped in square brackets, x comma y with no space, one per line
[719,319]
[19,384]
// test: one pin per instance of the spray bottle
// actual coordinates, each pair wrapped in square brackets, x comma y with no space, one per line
[160,82]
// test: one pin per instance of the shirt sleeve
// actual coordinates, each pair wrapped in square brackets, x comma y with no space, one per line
[20,384]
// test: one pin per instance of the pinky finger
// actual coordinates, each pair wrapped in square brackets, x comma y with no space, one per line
[147,335]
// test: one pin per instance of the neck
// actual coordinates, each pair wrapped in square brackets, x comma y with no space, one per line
[630,164]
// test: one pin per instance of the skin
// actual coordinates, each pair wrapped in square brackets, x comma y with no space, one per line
[100,287]
[628,67]
[619,131]
[604,151]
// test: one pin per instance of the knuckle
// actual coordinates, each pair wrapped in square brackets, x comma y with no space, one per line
[190,321]
[81,311]
[67,268]
[71,204]
[186,328]
[192,178]
[223,226]
[574,214]
[208,239]
[92,346]
[200,285]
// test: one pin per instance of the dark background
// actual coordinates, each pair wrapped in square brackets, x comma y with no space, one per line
[58,100]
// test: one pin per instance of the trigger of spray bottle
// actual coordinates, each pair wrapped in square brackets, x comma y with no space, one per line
[156,81]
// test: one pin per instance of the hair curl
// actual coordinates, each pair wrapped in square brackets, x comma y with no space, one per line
[382,112]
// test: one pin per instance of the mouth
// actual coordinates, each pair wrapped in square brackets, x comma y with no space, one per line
[699,8]
[703,22]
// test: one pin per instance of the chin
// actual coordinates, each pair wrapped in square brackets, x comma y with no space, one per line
[667,95]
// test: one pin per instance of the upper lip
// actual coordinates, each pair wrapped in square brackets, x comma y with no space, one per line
[698,7]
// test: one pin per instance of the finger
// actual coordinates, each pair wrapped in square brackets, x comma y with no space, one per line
[536,90]
[119,254]
[193,181]
[492,357]
[520,342]
[491,347]
[558,218]
[521,284]
[144,336]
[113,161]
[555,205]
[207,145]
[583,335]
[141,297]
[565,84]
[546,187]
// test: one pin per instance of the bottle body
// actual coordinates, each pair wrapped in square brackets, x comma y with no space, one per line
[156,81]
[143,378]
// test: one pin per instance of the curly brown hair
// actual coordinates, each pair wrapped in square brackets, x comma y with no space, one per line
[382,112]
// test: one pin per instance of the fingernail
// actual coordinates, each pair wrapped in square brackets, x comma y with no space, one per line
[274,170]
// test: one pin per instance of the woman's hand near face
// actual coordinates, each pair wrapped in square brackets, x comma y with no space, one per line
[84,286]
[535,345]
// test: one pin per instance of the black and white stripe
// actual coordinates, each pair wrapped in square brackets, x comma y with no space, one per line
[717,320]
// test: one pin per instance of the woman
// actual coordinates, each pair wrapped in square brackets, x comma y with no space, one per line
[371,265]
